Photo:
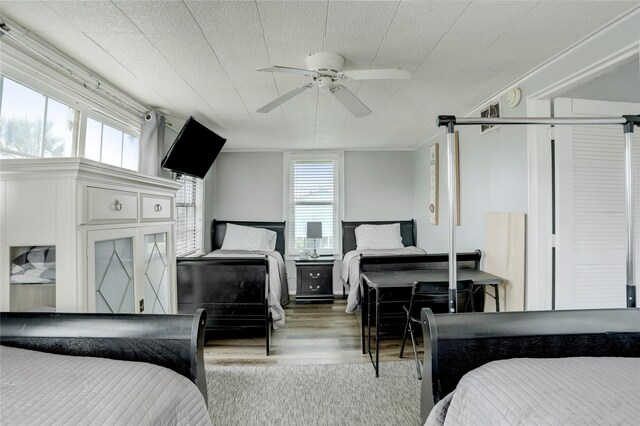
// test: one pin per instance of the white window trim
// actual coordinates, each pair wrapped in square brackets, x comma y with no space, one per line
[199,212]
[289,156]
[27,68]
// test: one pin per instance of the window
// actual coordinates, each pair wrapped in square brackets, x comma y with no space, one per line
[491,111]
[33,124]
[314,195]
[110,145]
[189,216]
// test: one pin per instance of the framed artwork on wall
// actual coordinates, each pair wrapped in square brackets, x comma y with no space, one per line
[433,184]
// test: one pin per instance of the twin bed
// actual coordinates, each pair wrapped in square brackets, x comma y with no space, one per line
[242,283]
[102,369]
[537,367]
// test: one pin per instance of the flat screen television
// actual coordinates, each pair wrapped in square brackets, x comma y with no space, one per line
[194,150]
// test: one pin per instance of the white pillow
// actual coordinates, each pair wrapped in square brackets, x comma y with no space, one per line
[239,237]
[376,237]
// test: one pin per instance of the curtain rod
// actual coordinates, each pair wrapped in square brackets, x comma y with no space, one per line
[68,66]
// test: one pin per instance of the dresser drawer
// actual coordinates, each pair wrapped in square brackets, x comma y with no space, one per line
[111,205]
[156,208]
[314,282]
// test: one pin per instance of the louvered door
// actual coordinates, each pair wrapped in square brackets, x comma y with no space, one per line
[590,207]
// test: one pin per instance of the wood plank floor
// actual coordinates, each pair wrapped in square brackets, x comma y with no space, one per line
[313,334]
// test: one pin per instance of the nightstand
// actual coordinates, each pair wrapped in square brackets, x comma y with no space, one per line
[314,280]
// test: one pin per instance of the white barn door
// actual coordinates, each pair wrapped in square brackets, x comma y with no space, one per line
[590,235]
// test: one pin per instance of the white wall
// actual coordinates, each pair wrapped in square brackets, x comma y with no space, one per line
[248,186]
[493,177]
[378,185]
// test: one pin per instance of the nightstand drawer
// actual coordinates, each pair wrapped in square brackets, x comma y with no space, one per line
[314,282]
[315,275]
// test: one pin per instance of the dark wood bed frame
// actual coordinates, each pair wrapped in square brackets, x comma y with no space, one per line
[458,343]
[407,232]
[172,341]
[234,291]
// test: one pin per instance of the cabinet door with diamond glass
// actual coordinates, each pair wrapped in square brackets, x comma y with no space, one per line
[156,273]
[112,271]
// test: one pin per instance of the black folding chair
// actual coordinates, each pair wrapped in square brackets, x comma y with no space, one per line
[436,297]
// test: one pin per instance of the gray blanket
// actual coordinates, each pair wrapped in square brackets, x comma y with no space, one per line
[38,388]
[561,391]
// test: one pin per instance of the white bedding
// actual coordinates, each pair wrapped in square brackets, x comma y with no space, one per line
[39,388]
[560,391]
[351,270]
[278,283]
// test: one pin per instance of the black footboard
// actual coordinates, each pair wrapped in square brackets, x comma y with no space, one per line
[458,343]
[234,291]
[172,341]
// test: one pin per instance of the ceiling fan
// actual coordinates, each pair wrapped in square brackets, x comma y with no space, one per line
[326,71]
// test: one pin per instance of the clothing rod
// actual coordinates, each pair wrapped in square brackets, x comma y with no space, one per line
[627,121]
[630,260]
[581,121]
[451,185]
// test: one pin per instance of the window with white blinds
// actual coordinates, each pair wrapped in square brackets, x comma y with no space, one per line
[314,196]
[189,216]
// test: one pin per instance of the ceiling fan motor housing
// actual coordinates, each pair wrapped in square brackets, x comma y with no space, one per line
[325,63]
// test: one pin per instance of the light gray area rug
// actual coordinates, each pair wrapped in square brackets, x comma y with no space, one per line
[333,394]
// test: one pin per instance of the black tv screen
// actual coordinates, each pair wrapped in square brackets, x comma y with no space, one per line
[194,150]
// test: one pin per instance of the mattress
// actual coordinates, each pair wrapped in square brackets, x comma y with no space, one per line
[351,271]
[39,388]
[278,283]
[559,391]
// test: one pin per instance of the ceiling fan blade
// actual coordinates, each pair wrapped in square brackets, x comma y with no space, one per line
[378,74]
[289,70]
[284,98]
[349,101]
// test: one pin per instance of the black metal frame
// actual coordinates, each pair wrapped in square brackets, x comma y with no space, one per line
[172,341]
[398,295]
[433,292]
[456,344]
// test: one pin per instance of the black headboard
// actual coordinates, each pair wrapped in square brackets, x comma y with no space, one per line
[458,343]
[407,232]
[172,341]
[219,228]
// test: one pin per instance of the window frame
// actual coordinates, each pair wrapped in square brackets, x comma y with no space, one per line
[289,157]
[199,219]
[118,125]
[47,96]
[24,69]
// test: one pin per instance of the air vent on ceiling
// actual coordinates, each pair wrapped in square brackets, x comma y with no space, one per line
[490,111]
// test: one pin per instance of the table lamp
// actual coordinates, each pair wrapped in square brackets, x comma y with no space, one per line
[314,230]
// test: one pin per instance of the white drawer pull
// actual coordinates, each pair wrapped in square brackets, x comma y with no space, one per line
[117,205]
[316,276]
[314,289]
[157,208]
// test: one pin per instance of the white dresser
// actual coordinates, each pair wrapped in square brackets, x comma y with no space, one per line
[112,229]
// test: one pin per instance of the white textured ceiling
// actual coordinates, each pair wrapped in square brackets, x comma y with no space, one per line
[199,58]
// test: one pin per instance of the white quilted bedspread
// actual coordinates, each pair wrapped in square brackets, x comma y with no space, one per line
[38,388]
[562,391]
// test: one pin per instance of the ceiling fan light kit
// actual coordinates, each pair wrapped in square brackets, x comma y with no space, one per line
[326,70]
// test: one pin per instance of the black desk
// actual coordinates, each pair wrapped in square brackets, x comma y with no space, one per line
[377,280]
